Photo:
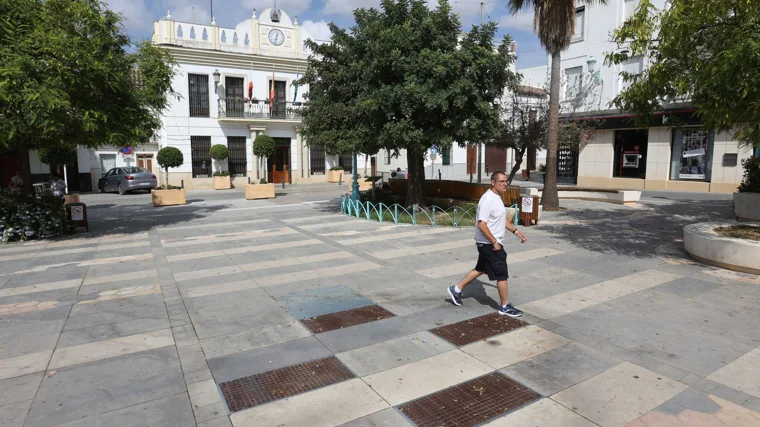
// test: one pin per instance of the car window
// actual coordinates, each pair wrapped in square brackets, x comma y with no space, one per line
[117,172]
[109,173]
[135,170]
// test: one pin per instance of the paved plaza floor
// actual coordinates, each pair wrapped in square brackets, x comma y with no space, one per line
[285,313]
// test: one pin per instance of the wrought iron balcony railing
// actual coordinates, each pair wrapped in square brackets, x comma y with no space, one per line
[259,109]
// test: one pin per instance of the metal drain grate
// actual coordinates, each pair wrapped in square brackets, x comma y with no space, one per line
[478,328]
[344,319]
[470,403]
[244,393]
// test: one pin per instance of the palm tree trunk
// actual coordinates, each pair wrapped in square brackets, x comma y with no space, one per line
[550,197]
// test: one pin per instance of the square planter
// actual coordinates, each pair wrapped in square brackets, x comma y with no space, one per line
[222,183]
[259,191]
[363,185]
[747,206]
[168,197]
[335,176]
[71,198]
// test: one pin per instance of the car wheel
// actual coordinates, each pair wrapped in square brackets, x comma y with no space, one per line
[101,187]
[122,191]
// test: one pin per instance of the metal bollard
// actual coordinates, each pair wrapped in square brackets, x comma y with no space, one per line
[439,174]
[283,181]
[249,180]
[182,183]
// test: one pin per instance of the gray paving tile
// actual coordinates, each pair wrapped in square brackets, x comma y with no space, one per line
[276,356]
[168,411]
[346,339]
[118,304]
[711,387]
[216,321]
[692,399]
[19,389]
[448,314]
[13,415]
[312,303]
[26,344]
[104,386]
[390,417]
[560,368]
[687,287]
[118,284]
[58,275]
[113,330]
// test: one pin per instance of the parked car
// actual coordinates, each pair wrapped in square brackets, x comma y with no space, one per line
[127,179]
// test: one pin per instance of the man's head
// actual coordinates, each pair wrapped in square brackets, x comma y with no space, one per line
[18,172]
[499,182]
[398,169]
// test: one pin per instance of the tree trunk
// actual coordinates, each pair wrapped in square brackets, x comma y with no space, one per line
[550,198]
[22,149]
[166,172]
[415,193]
[366,160]
[518,162]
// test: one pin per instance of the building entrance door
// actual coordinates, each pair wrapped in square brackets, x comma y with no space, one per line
[472,158]
[279,164]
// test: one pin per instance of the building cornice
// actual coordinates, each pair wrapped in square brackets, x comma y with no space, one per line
[245,61]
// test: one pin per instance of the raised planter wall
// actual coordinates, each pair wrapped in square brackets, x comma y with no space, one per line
[222,183]
[456,190]
[168,197]
[709,247]
[259,191]
[335,176]
[621,197]
[747,206]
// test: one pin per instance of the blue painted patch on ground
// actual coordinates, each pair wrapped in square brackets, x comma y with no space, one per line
[316,302]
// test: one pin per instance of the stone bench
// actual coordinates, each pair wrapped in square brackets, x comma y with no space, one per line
[621,197]
[708,247]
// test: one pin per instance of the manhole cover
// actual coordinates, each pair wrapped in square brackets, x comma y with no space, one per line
[478,328]
[280,383]
[470,403]
[343,319]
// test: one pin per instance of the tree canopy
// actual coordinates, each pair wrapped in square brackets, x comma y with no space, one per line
[405,77]
[68,77]
[706,53]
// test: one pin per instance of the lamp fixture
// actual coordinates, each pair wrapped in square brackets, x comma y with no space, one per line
[217,76]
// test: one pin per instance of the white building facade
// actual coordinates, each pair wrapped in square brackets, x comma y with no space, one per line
[618,155]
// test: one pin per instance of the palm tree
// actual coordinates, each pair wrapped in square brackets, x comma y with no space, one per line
[554,23]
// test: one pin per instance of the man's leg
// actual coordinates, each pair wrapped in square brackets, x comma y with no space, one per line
[468,278]
[503,288]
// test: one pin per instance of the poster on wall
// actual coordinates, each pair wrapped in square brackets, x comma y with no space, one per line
[693,154]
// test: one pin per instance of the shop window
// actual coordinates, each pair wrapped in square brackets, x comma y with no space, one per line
[691,154]
[630,154]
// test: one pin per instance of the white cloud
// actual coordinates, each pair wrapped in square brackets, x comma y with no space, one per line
[317,30]
[346,8]
[291,7]
[137,16]
[523,21]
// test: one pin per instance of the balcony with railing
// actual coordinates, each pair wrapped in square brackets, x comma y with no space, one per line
[245,108]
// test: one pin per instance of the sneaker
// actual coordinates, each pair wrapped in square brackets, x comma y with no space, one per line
[510,311]
[456,297]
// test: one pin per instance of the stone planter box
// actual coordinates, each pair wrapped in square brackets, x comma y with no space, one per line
[259,191]
[747,206]
[222,183]
[706,246]
[335,176]
[621,197]
[363,185]
[168,197]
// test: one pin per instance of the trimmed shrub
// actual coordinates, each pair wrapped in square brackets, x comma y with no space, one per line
[219,152]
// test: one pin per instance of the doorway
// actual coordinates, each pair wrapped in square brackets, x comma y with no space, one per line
[279,164]
[472,158]
[496,159]
[145,161]
[631,154]
[279,107]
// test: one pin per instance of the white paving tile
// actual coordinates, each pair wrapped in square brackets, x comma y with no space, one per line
[84,353]
[408,234]
[262,336]
[742,374]
[23,365]
[328,407]
[30,289]
[96,280]
[217,238]
[222,288]
[413,380]
[464,267]
[619,395]
[515,346]
[543,413]
[422,249]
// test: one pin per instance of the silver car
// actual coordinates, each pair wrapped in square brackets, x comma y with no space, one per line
[127,179]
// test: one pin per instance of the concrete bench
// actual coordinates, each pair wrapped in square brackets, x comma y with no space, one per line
[621,197]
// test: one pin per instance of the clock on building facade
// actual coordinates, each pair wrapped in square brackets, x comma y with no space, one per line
[276,37]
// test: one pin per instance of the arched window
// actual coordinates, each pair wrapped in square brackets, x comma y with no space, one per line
[205,35]
[224,37]
[246,40]
[192,33]
[235,38]
[179,31]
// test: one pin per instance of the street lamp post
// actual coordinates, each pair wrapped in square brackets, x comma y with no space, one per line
[355,185]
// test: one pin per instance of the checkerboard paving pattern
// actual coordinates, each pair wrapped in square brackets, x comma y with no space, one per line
[297,317]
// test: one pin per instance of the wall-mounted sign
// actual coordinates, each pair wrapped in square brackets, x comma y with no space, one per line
[730,159]
[631,160]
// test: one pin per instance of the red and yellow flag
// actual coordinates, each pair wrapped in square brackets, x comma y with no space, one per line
[271,91]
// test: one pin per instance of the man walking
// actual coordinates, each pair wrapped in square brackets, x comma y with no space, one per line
[492,258]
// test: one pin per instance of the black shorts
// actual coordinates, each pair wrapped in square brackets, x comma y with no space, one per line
[493,263]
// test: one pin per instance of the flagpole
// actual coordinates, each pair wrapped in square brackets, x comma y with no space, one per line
[212,9]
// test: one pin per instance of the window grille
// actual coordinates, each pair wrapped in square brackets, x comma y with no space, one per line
[346,161]
[317,160]
[199,100]
[237,162]
[199,152]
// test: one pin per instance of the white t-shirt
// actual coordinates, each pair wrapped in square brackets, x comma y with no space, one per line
[400,175]
[491,210]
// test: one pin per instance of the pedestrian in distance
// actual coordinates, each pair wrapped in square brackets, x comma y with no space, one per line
[491,217]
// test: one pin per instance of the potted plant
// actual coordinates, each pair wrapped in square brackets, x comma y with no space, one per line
[167,195]
[747,200]
[263,147]
[335,174]
[222,180]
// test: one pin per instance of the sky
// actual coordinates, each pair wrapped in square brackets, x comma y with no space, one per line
[314,15]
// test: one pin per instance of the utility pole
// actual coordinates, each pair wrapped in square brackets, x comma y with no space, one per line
[480,145]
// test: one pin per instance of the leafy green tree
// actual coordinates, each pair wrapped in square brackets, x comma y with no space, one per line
[56,155]
[263,148]
[554,23]
[402,79]
[706,53]
[68,78]
[169,157]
